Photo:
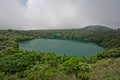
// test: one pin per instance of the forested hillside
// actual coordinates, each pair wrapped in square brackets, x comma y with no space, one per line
[17,64]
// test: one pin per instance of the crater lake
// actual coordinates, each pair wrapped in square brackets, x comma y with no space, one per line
[62,46]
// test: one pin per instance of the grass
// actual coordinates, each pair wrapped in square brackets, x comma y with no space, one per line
[106,69]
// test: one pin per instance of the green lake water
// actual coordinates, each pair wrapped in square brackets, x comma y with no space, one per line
[62,46]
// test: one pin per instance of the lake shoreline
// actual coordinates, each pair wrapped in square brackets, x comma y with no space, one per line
[55,45]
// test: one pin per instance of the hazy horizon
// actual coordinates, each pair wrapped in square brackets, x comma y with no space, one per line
[58,14]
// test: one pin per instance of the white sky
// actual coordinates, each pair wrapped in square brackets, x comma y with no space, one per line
[55,14]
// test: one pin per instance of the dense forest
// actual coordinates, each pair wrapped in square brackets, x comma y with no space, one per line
[18,64]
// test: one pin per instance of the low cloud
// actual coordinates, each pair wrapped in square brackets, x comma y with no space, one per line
[55,14]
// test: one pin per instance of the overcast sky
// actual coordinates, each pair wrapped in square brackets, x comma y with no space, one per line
[55,14]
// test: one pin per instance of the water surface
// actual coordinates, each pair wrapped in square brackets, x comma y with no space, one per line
[61,46]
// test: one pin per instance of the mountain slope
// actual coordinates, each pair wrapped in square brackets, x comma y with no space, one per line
[97,28]
[106,69]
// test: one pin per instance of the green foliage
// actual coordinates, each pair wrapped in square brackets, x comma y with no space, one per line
[114,53]
[2,75]
[43,65]
[83,76]
[75,65]
[105,69]
[17,64]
